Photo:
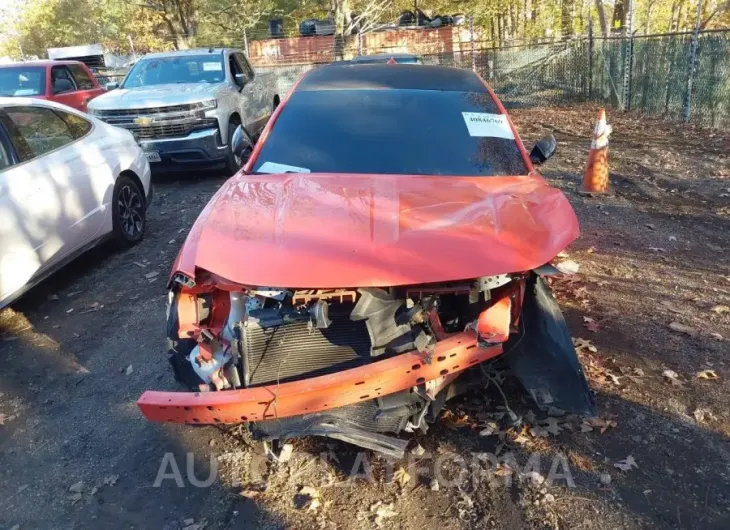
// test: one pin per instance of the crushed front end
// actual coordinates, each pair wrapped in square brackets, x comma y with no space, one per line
[356,364]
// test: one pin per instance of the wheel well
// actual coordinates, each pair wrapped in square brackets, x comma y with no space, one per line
[276,101]
[235,118]
[131,174]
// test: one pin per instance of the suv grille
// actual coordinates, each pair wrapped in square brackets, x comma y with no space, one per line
[173,130]
[174,121]
[122,113]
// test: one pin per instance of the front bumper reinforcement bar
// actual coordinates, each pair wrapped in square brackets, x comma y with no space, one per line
[452,355]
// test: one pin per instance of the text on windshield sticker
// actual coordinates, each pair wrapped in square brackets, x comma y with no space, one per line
[485,124]
[212,67]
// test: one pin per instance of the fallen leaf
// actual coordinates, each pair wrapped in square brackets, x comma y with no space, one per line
[592,326]
[401,476]
[551,426]
[626,464]
[672,238]
[584,343]
[671,377]
[568,267]
[52,297]
[657,249]
[490,429]
[77,487]
[129,370]
[707,374]
[151,275]
[682,328]
[453,421]
[382,511]
[141,265]
[650,226]
[716,336]
[111,480]
[719,309]
[599,423]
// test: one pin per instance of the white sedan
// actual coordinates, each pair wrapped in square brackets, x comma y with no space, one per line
[67,182]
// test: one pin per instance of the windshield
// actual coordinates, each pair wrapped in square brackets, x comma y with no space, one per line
[177,69]
[391,131]
[22,81]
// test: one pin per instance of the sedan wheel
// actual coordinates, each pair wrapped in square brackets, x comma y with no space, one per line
[128,211]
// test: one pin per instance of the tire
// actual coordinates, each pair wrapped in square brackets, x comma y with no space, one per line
[233,164]
[129,212]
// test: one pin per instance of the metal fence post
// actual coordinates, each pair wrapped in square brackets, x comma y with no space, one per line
[245,42]
[692,62]
[590,58]
[471,40]
[628,58]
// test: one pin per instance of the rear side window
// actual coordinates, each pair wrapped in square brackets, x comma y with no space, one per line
[61,80]
[392,131]
[82,78]
[77,125]
[39,130]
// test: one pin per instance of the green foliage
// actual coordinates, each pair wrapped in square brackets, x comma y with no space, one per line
[163,24]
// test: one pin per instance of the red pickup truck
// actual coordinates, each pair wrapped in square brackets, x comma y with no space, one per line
[67,82]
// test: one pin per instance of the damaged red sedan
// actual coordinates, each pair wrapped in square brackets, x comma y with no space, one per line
[387,238]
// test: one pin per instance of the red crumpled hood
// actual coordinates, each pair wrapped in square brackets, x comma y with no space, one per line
[326,231]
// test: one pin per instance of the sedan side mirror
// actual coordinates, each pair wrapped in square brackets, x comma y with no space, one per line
[112,85]
[240,144]
[543,150]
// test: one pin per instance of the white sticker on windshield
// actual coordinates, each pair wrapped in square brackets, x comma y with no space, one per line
[212,67]
[273,167]
[485,124]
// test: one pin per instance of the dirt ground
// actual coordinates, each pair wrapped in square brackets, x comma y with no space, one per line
[649,308]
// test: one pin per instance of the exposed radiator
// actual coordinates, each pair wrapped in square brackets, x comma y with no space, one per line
[294,351]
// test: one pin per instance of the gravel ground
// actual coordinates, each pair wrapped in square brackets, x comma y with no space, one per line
[649,305]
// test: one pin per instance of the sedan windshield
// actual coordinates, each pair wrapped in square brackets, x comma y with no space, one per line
[177,69]
[391,131]
[22,81]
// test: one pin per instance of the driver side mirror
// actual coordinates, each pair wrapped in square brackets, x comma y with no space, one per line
[543,150]
[112,85]
[240,80]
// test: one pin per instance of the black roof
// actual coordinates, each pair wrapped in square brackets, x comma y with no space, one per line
[397,76]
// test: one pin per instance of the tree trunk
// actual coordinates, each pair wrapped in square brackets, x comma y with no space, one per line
[601,17]
[619,17]
[341,10]
[566,21]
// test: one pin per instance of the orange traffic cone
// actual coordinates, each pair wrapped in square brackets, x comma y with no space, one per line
[595,179]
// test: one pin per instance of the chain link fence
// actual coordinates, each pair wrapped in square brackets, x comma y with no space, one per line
[647,74]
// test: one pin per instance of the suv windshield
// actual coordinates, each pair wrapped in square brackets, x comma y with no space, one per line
[22,81]
[391,131]
[176,69]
